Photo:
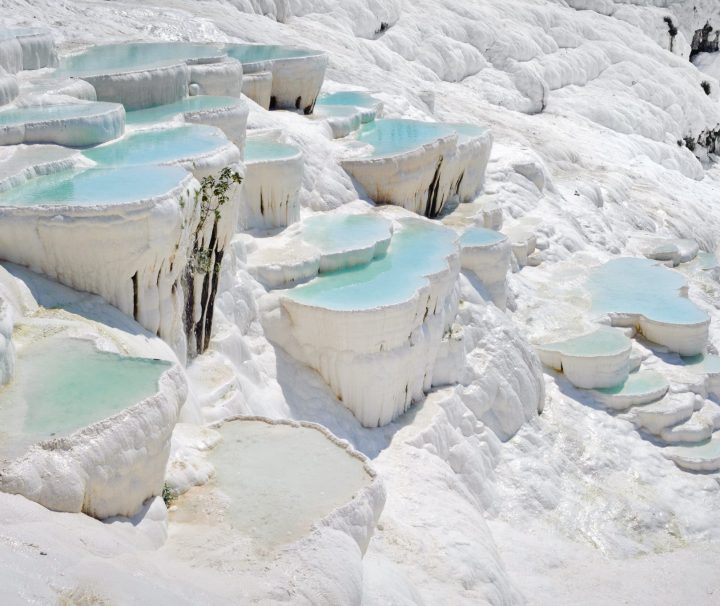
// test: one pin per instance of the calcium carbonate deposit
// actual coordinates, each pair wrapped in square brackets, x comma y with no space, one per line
[360,302]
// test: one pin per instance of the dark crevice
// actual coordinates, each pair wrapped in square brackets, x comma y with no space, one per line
[136,295]
[273,102]
[705,40]
[431,209]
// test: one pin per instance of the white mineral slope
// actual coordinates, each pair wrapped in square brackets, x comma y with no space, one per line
[600,164]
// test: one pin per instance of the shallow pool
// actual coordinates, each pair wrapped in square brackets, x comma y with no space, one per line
[159,146]
[641,286]
[638,384]
[114,58]
[280,479]
[602,342]
[47,113]
[468,131]
[334,233]
[417,249]
[62,385]
[352,98]
[253,53]
[394,136]
[198,103]
[259,150]
[95,186]
[480,236]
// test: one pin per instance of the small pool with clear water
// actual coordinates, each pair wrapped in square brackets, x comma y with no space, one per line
[262,150]
[48,113]
[95,186]
[62,385]
[417,249]
[118,58]
[480,236]
[641,286]
[159,146]
[389,137]
[280,479]
[163,113]
[334,233]
[602,342]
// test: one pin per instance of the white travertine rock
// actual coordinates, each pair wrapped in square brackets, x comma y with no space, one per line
[296,80]
[271,186]
[220,78]
[258,87]
[142,88]
[490,262]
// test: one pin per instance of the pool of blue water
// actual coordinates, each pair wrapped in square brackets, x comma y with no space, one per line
[336,233]
[159,146]
[62,385]
[115,58]
[602,342]
[95,186]
[642,286]
[394,136]
[162,113]
[253,53]
[352,98]
[47,113]
[259,150]
[703,363]
[638,384]
[480,236]
[419,248]
[467,131]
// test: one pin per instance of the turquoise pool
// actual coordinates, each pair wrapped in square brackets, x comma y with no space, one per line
[480,236]
[114,58]
[337,233]
[162,113]
[641,286]
[95,186]
[419,248]
[602,342]
[159,146]
[259,150]
[48,113]
[62,385]
[394,136]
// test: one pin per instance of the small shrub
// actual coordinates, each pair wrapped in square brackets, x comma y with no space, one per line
[168,495]
[705,86]
[672,30]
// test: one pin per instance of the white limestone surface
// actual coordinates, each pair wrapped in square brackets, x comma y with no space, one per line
[273,176]
[487,254]
[219,78]
[297,74]
[258,87]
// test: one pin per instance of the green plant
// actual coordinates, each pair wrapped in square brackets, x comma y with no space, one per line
[213,194]
[168,495]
